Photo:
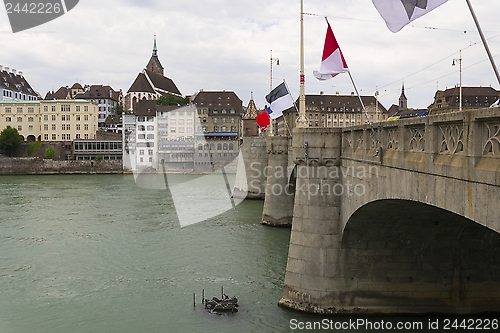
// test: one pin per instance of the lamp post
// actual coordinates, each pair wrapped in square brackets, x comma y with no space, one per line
[460,63]
[273,61]
[302,121]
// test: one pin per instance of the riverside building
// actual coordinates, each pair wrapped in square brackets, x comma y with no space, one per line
[332,111]
[52,121]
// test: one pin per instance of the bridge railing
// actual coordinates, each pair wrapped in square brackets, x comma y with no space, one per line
[463,145]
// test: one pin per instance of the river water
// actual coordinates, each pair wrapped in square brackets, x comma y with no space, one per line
[97,253]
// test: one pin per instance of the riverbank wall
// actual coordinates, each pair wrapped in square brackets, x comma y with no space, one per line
[38,166]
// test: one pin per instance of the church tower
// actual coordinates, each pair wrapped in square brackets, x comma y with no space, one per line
[403,101]
[154,64]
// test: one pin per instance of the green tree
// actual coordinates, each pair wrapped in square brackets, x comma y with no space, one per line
[34,147]
[50,153]
[119,109]
[10,141]
[172,100]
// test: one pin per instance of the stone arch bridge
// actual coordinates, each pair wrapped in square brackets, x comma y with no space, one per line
[401,218]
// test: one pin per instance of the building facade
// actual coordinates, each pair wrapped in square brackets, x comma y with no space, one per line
[218,129]
[105,97]
[332,111]
[14,86]
[54,120]
[172,138]
[472,98]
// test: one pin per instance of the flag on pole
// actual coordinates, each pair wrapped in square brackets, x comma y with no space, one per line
[333,61]
[263,120]
[398,13]
[279,100]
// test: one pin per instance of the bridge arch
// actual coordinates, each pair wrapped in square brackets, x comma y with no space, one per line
[405,255]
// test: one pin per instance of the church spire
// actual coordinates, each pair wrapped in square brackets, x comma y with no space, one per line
[403,101]
[155,49]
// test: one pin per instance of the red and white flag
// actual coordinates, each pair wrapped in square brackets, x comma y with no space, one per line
[398,13]
[333,61]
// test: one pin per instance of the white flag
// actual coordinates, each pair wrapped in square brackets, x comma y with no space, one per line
[398,13]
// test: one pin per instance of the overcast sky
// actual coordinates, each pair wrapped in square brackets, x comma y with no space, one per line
[225,45]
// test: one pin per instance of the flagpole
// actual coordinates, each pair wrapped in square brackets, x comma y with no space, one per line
[295,105]
[364,109]
[495,69]
[302,120]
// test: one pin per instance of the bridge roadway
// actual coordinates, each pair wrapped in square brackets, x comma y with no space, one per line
[404,218]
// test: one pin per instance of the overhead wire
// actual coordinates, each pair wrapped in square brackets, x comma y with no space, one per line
[426,67]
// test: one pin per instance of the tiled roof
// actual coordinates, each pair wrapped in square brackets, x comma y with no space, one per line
[61,93]
[15,82]
[218,100]
[145,108]
[77,86]
[393,110]
[113,119]
[99,91]
[163,82]
[338,102]
[471,91]
[141,84]
[166,108]
[251,111]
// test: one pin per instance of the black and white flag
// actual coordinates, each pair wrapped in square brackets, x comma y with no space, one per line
[398,13]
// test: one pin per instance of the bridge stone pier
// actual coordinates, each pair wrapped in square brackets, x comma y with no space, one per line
[280,193]
[402,218]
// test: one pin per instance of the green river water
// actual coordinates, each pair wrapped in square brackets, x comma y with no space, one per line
[98,254]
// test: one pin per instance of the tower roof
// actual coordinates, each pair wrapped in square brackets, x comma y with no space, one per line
[251,111]
[155,49]
[154,64]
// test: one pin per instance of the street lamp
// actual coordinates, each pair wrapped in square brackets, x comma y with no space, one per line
[273,61]
[460,63]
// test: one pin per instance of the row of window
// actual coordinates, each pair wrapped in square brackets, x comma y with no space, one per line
[150,152]
[223,120]
[181,122]
[19,110]
[143,136]
[46,118]
[220,146]
[24,97]
[181,130]
[65,108]
[65,137]
[19,119]
[216,111]
[64,127]
[329,109]
[97,146]
[142,128]
[66,117]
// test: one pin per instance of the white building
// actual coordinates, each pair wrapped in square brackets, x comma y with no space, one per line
[157,136]
[106,98]
[14,87]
